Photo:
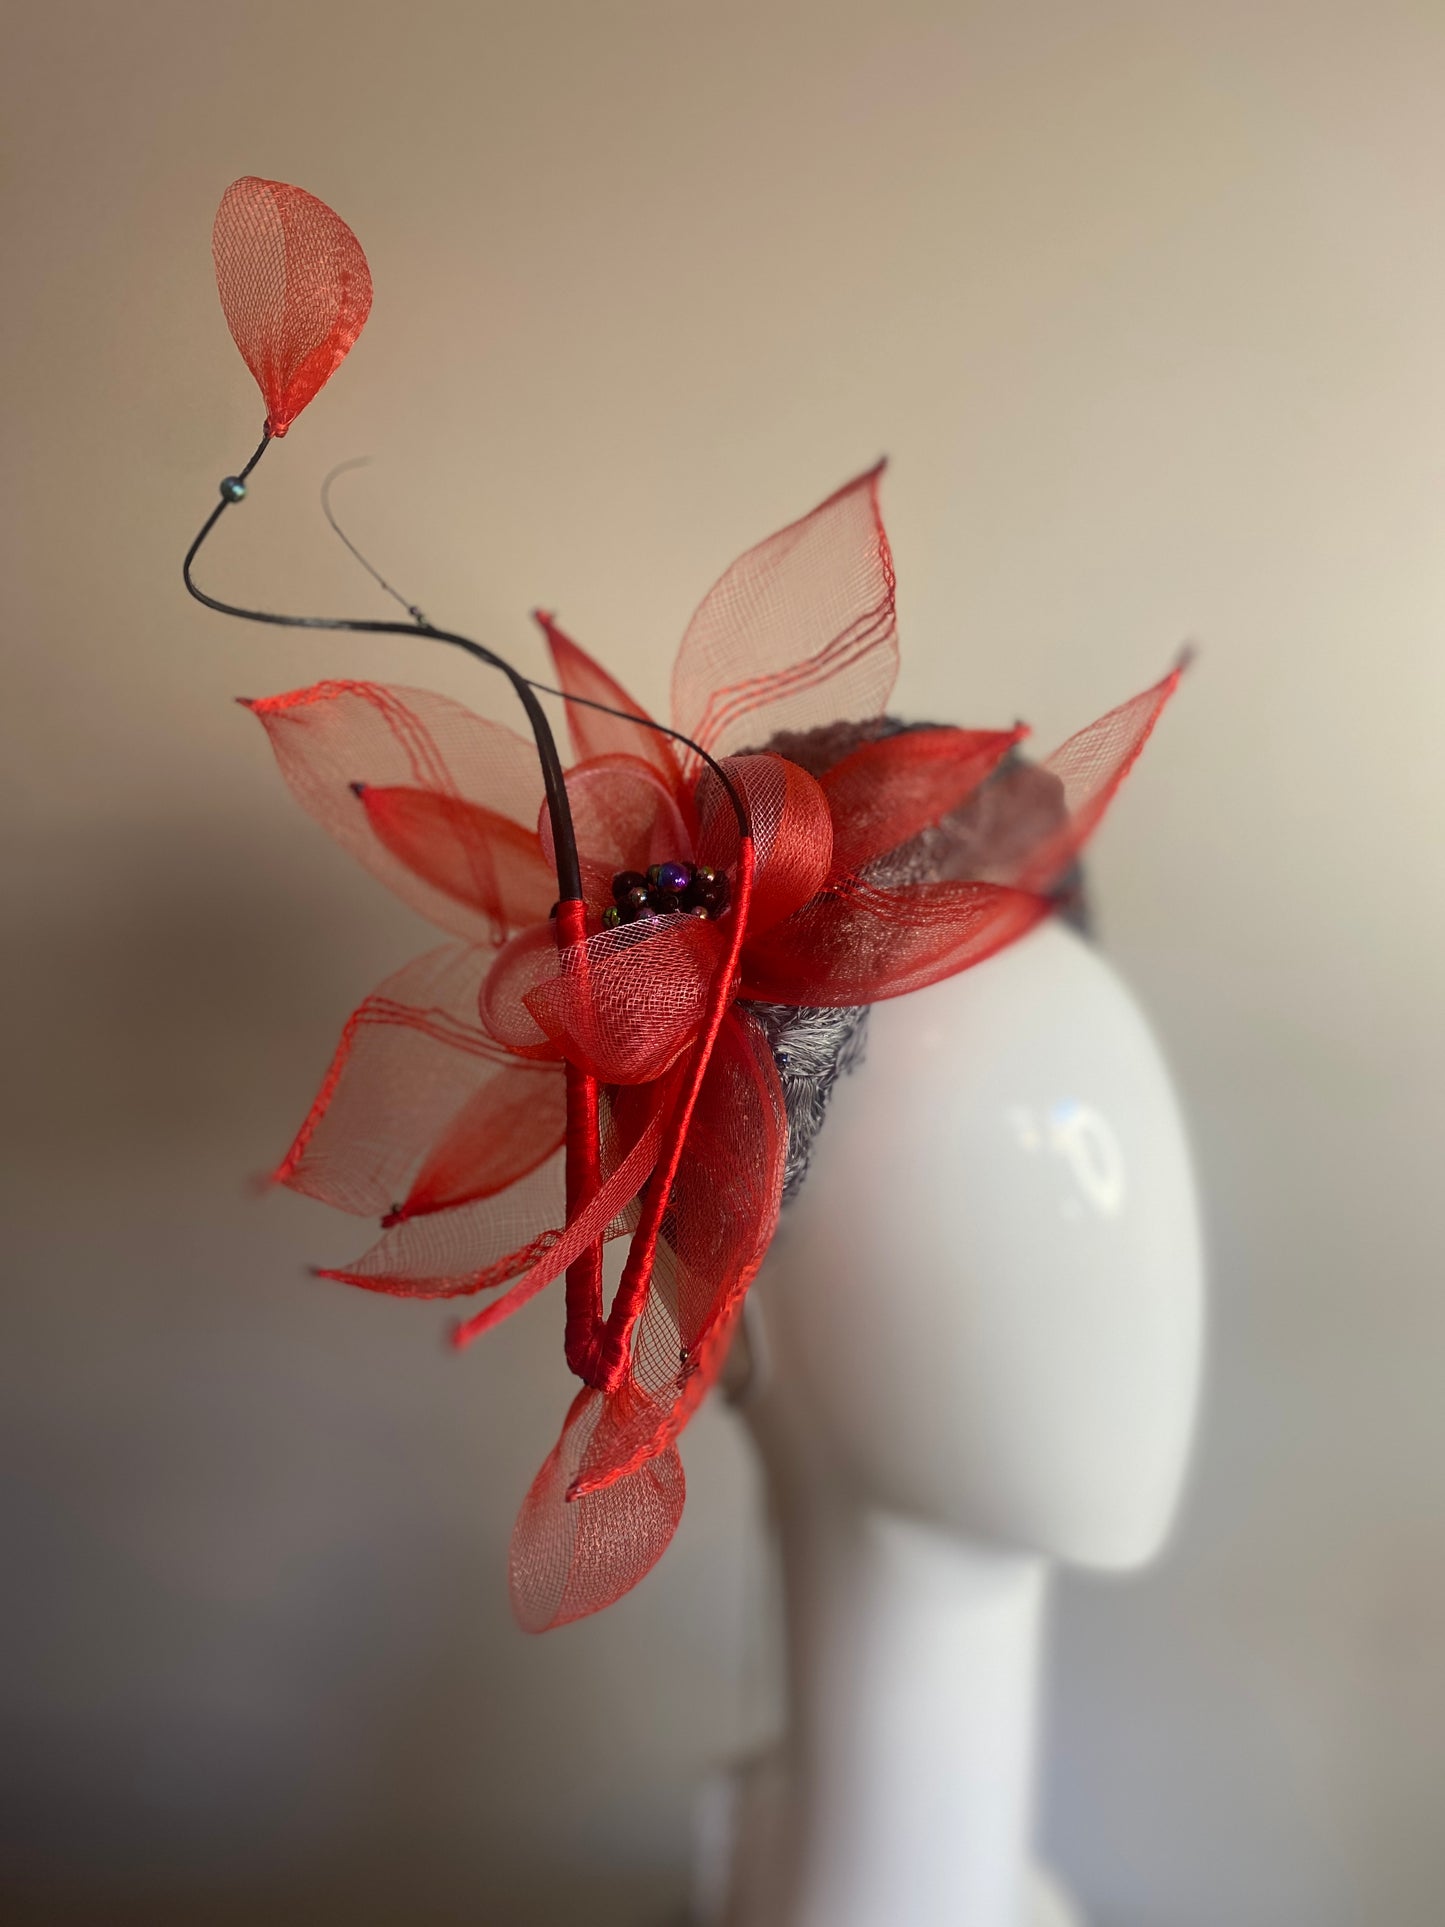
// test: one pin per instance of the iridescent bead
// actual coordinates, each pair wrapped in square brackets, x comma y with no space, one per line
[624,881]
[704,874]
[611,917]
[700,910]
[233,489]
[638,897]
[673,876]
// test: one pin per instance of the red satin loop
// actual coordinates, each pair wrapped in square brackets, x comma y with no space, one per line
[792,832]
[627,1003]
[295,290]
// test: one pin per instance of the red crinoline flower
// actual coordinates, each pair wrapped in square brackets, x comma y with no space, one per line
[446,1109]
[560,1074]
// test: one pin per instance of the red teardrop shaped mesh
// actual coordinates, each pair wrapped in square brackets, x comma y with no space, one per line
[571,1558]
[295,289]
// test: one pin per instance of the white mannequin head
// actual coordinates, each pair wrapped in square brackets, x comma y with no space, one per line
[983,1310]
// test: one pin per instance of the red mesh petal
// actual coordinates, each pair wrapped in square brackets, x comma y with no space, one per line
[448,1254]
[573,1557]
[627,1002]
[472,855]
[295,289]
[594,734]
[887,791]
[1090,766]
[336,735]
[625,816]
[791,827]
[857,944]
[509,1126]
[720,1221]
[410,1059]
[801,630]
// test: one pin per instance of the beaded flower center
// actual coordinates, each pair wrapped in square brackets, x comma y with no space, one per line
[668,889]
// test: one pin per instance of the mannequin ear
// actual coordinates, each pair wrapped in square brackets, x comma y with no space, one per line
[749,1361]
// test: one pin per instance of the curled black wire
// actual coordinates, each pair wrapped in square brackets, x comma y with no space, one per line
[564,839]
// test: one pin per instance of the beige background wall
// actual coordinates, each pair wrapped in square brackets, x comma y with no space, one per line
[1147,304]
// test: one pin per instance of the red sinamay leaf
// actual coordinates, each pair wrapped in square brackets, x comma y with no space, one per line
[801,630]
[886,792]
[595,734]
[1090,766]
[411,1089]
[569,1559]
[458,866]
[295,290]
[473,855]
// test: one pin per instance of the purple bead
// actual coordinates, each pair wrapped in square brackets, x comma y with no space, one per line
[673,876]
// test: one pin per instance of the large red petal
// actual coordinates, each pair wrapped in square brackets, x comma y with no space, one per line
[887,791]
[856,944]
[596,734]
[295,289]
[411,1058]
[801,630]
[571,1557]
[438,857]
[1089,768]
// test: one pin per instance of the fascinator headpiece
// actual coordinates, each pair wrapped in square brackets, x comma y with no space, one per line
[593,1054]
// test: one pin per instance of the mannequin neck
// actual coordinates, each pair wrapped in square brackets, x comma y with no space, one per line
[913,1661]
